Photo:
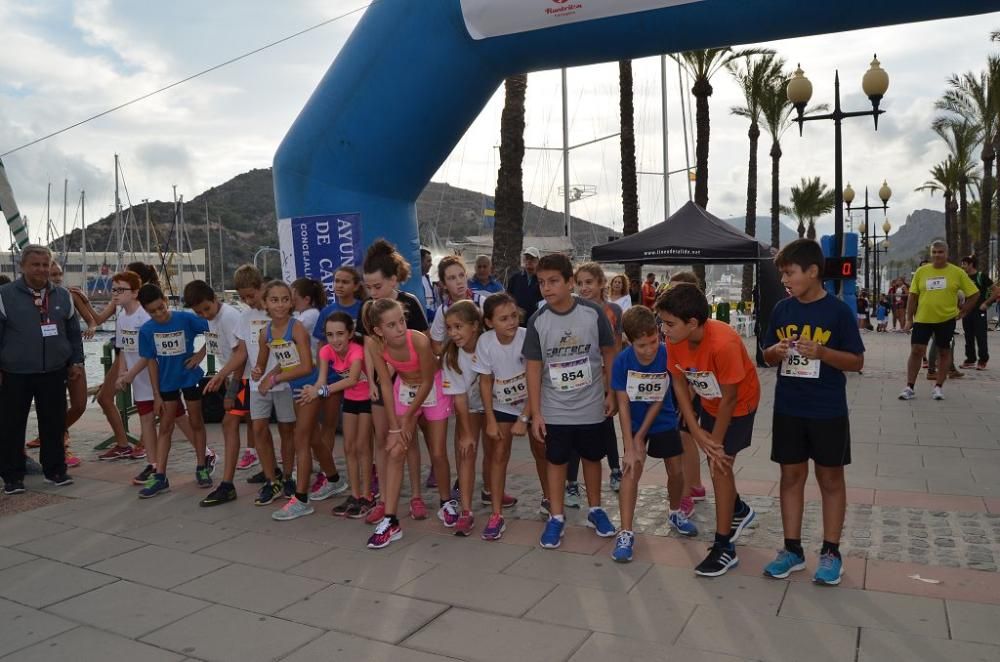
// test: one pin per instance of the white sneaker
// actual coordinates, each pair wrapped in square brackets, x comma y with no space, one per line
[937,393]
[294,509]
[907,394]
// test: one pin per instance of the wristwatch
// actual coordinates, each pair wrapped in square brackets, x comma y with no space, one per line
[524,419]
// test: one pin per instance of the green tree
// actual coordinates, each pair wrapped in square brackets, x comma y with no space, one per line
[961,137]
[508,230]
[944,180]
[810,200]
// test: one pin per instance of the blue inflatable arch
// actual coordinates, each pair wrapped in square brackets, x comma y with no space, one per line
[415,74]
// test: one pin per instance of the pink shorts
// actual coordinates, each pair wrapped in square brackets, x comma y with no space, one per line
[144,407]
[439,410]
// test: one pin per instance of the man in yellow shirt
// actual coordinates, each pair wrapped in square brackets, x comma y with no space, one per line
[932,310]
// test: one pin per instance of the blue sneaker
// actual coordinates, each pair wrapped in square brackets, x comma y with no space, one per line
[681,524]
[157,484]
[598,520]
[553,533]
[741,522]
[785,564]
[622,552]
[830,570]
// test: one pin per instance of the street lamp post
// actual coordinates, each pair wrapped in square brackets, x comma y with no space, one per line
[884,193]
[799,90]
[878,250]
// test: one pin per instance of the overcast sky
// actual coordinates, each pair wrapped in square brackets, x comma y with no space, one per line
[66,60]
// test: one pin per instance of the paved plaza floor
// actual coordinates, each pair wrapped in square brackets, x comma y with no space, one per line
[90,572]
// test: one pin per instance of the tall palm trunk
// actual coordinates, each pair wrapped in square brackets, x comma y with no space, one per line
[702,89]
[811,232]
[986,217]
[950,224]
[508,230]
[751,220]
[775,198]
[630,184]
[963,215]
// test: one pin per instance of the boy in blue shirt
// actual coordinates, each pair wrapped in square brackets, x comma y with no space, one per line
[641,383]
[814,340]
[166,346]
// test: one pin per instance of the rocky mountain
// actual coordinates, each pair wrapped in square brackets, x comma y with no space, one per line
[910,242]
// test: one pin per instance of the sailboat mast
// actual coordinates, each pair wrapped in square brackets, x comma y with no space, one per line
[48,215]
[118,220]
[65,236]
[180,245]
[83,237]
[222,258]
[208,244]
[687,155]
[666,157]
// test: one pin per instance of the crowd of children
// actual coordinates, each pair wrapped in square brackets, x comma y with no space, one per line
[681,385]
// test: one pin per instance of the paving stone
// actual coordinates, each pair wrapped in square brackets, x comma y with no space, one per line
[250,588]
[128,609]
[971,621]
[80,546]
[581,570]
[44,582]
[181,534]
[12,557]
[264,551]
[18,529]
[665,584]
[601,647]
[880,645]
[158,566]
[225,634]
[341,646]
[502,594]
[366,569]
[24,626]
[86,644]
[453,551]
[470,635]
[382,616]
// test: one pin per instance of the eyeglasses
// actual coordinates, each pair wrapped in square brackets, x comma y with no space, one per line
[119,290]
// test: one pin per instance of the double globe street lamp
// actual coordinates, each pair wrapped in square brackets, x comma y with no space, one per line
[884,193]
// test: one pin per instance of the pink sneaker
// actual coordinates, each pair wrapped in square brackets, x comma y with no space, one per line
[116,453]
[248,459]
[448,513]
[466,522]
[418,509]
[687,507]
[385,533]
[318,482]
[376,514]
[698,493]
[138,453]
[72,461]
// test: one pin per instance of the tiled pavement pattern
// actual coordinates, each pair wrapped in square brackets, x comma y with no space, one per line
[104,575]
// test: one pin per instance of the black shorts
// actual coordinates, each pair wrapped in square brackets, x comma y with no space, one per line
[589,441]
[696,404]
[191,394]
[943,333]
[504,417]
[825,441]
[737,435]
[357,406]
[664,445]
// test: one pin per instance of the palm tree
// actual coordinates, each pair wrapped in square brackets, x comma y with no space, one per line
[961,138]
[944,179]
[508,230]
[753,81]
[701,65]
[810,200]
[975,97]
[630,184]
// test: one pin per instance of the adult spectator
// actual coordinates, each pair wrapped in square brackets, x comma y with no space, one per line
[649,290]
[41,347]
[523,285]
[635,292]
[483,283]
[974,324]
[618,292]
[931,311]
[432,297]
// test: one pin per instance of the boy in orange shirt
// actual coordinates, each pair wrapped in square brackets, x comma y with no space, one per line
[709,356]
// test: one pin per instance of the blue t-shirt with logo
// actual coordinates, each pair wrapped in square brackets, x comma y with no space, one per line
[646,379]
[171,345]
[354,310]
[830,322]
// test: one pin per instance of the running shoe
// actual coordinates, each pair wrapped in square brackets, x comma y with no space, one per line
[466,522]
[719,560]
[687,506]
[34,443]
[741,522]
[224,493]
[248,459]
[981,366]
[784,564]
[553,533]
[545,508]
[59,480]
[268,493]
[72,461]
[907,394]
[572,498]
[681,524]
[418,509]
[144,475]
[616,480]
[598,520]
[116,452]
[937,393]
[155,485]
[495,527]
[698,493]
[448,513]
[138,452]
[294,509]
[955,374]
[376,514]
[385,533]
[340,485]
[203,476]
[288,488]
[361,508]
[968,365]
[321,488]
[622,553]
[12,487]
[509,500]
[830,570]
[341,509]
[257,479]
[211,459]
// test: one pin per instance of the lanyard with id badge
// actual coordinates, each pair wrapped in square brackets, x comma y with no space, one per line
[41,299]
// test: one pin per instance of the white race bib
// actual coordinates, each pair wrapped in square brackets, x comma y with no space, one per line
[647,386]
[511,391]
[570,375]
[169,344]
[408,393]
[704,384]
[936,283]
[286,354]
[129,340]
[256,326]
[796,365]
[212,343]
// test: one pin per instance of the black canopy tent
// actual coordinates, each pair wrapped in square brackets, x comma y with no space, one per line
[692,235]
